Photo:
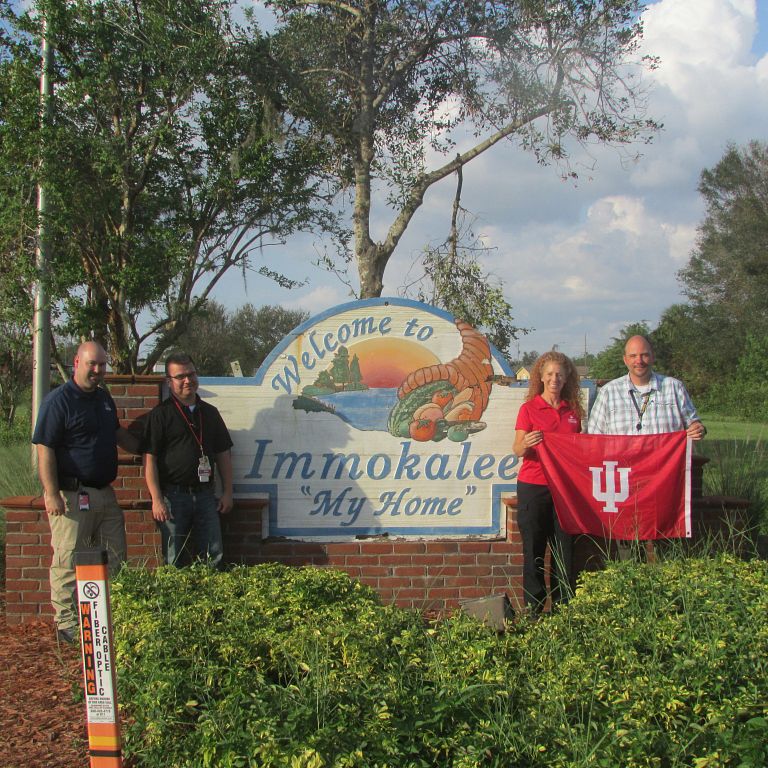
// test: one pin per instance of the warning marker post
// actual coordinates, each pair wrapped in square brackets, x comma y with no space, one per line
[98,661]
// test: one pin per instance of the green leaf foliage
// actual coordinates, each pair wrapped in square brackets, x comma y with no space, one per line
[730,264]
[715,340]
[273,665]
[162,160]
[744,392]
[216,337]
[654,665]
[454,278]
[661,664]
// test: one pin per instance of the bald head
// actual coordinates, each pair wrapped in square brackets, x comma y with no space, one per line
[639,359]
[90,365]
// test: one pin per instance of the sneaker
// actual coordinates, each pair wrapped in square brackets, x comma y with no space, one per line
[65,636]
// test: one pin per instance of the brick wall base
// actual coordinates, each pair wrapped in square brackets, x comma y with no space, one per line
[425,575]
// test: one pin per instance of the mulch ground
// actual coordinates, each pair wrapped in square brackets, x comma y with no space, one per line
[42,712]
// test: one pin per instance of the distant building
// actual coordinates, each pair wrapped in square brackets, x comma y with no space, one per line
[522,374]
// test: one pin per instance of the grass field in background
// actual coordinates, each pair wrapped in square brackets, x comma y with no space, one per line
[728,428]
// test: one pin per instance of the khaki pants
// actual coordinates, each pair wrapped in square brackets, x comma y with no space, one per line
[101,526]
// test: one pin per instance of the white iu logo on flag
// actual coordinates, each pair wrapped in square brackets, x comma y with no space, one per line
[610,495]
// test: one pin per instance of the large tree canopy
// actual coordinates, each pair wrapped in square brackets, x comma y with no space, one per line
[391,84]
[713,341]
[181,140]
[728,270]
[162,161]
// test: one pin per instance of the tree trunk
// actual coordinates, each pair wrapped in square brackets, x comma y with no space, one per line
[371,262]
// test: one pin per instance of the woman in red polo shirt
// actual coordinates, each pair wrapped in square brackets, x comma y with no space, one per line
[553,404]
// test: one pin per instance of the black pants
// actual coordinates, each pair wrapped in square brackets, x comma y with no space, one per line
[539,526]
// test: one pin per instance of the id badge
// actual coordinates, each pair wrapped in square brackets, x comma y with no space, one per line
[83,501]
[204,470]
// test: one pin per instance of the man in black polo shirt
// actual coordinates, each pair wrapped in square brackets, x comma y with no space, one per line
[185,438]
[76,435]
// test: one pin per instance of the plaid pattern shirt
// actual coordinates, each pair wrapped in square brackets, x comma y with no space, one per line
[620,408]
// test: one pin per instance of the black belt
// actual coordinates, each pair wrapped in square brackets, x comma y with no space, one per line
[73,484]
[194,488]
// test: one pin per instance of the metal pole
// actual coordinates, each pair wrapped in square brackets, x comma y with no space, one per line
[41,334]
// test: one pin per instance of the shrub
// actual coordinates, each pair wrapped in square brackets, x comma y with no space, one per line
[649,665]
[654,665]
[273,666]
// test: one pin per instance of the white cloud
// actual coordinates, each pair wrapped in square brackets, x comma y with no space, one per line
[317,299]
[693,34]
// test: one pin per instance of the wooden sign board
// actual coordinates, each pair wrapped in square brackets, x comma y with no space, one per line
[377,417]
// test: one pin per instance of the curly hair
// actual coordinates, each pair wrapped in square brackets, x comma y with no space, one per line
[570,392]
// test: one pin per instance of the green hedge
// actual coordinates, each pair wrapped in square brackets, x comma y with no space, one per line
[649,665]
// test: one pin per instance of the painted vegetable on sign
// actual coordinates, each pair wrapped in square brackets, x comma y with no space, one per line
[446,399]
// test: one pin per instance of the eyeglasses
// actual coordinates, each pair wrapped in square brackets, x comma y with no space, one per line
[182,376]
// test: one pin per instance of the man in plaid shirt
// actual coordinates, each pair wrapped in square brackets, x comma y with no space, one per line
[644,402]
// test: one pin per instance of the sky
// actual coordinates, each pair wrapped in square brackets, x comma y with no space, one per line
[580,260]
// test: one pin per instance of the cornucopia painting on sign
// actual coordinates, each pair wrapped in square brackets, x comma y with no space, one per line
[446,399]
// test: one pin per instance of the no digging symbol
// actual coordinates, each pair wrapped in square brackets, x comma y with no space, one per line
[91,590]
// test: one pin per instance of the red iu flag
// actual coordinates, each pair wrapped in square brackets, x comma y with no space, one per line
[620,486]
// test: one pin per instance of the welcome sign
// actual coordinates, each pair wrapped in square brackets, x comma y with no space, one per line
[377,417]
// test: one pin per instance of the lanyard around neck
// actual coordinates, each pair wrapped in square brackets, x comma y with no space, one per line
[192,428]
[640,410]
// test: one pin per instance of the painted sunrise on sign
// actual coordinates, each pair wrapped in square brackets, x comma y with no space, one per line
[386,362]
[360,385]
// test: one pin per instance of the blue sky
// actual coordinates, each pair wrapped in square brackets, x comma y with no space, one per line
[580,261]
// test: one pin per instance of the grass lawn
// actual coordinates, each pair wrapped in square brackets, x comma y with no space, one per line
[727,428]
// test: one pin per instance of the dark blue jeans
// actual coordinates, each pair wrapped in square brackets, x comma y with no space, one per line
[194,530]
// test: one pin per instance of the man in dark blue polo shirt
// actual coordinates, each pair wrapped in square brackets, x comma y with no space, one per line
[185,439]
[76,435]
